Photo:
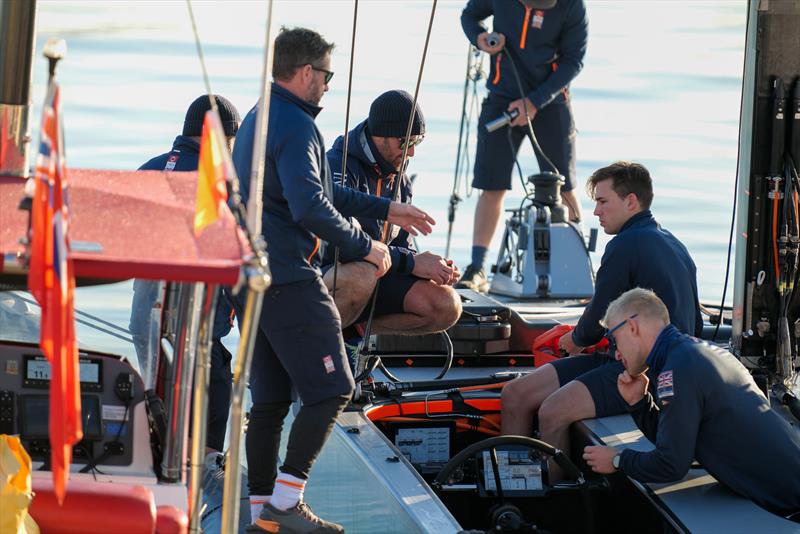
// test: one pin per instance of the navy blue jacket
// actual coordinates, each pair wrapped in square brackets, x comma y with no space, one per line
[301,203]
[183,157]
[548,51]
[644,255]
[708,407]
[368,172]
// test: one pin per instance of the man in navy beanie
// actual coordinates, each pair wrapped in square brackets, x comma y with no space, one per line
[184,157]
[415,296]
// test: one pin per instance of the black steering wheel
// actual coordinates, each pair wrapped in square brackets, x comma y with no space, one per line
[491,444]
[570,469]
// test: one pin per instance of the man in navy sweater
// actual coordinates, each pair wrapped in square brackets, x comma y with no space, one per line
[537,49]
[299,343]
[706,406]
[415,296]
[642,254]
[183,157]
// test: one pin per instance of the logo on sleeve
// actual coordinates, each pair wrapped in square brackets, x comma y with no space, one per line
[327,361]
[665,387]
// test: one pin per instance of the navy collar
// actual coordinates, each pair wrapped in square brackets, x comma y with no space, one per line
[385,167]
[658,354]
[184,143]
[642,218]
[308,107]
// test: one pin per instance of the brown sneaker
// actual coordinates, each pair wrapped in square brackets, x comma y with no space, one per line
[297,520]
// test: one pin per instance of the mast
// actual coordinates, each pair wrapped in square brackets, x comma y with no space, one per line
[766,310]
[17,23]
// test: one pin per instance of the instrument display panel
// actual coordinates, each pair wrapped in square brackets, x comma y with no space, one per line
[37,373]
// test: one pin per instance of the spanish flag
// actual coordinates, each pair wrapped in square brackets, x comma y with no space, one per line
[51,281]
[212,174]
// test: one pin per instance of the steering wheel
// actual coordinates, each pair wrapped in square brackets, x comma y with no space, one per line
[491,444]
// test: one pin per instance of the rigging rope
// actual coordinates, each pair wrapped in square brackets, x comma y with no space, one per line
[346,132]
[395,193]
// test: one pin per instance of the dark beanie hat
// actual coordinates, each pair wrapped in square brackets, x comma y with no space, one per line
[388,115]
[193,123]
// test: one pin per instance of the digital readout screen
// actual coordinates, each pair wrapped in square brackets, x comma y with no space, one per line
[39,369]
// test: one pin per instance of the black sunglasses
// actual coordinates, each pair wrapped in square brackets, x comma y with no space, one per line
[328,74]
[612,343]
[412,141]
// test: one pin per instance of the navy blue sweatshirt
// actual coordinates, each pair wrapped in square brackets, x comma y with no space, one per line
[369,173]
[301,203]
[183,157]
[644,255]
[547,46]
[708,407]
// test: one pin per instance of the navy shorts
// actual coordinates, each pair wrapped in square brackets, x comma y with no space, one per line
[598,372]
[494,157]
[392,292]
[299,343]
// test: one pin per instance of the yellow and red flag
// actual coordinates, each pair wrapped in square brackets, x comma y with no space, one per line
[212,174]
[52,282]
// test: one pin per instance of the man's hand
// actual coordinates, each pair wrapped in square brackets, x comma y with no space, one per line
[433,267]
[379,257]
[566,344]
[632,388]
[483,43]
[599,459]
[410,218]
[522,105]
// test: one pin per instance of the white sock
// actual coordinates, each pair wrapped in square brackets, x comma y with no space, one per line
[256,504]
[288,491]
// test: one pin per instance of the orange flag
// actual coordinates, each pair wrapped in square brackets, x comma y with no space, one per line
[212,172]
[52,283]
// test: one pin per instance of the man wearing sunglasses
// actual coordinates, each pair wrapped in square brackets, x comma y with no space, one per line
[642,254]
[299,344]
[705,405]
[415,296]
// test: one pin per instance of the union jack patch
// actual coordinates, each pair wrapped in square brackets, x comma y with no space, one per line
[538,19]
[665,385]
[328,362]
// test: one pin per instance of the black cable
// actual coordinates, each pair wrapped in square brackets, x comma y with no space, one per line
[534,142]
[733,214]
[346,136]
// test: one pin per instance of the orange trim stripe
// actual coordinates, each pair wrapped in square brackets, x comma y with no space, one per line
[380,184]
[525,28]
[269,526]
[496,78]
[316,249]
[291,484]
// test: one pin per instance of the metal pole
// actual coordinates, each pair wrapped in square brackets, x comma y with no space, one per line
[178,396]
[258,282]
[741,302]
[17,31]
[200,408]
[262,125]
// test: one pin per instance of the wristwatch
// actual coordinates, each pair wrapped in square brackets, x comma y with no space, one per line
[615,461]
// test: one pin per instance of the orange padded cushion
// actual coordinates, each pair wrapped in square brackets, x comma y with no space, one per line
[171,520]
[93,507]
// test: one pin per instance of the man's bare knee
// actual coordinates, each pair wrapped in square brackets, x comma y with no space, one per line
[569,404]
[447,308]
[529,391]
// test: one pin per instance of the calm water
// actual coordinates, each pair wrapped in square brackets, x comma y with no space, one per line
[661,85]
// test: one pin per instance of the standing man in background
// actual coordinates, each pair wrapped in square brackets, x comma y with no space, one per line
[537,49]
[184,157]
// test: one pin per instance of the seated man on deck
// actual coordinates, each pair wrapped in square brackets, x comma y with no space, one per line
[642,254]
[706,406]
[415,296]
